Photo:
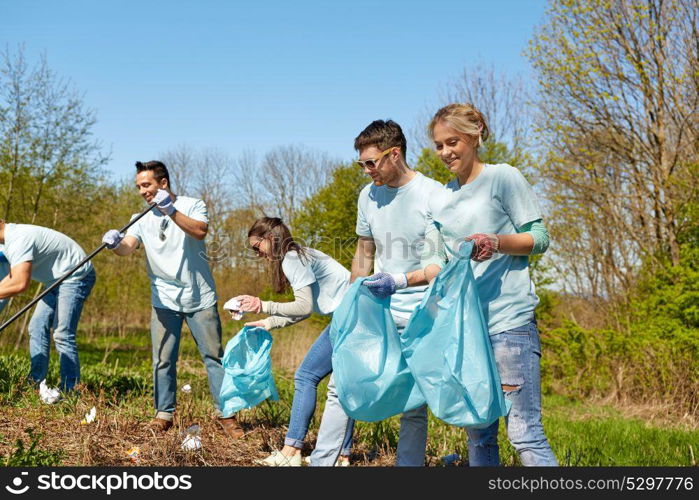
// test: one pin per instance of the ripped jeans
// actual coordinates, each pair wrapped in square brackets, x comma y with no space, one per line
[517,355]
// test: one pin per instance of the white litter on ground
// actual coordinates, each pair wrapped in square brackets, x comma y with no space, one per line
[90,416]
[48,395]
[192,441]
[186,388]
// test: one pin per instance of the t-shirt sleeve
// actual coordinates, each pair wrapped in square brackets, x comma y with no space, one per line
[297,272]
[433,252]
[20,250]
[199,212]
[518,198]
[135,230]
[363,228]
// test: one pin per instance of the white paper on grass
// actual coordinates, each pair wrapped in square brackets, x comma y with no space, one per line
[48,395]
[191,443]
[90,416]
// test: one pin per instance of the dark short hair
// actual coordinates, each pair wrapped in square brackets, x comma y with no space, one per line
[383,135]
[157,167]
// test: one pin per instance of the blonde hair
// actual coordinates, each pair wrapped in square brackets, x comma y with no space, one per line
[464,118]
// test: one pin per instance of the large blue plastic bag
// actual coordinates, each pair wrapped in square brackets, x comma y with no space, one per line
[372,379]
[4,271]
[247,379]
[447,347]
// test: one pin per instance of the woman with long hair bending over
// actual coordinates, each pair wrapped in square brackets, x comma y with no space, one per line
[319,282]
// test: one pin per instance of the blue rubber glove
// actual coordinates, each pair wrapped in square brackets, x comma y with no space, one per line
[385,284]
[112,238]
[164,202]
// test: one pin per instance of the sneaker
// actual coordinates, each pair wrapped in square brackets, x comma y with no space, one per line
[342,461]
[231,427]
[160,424]
[277,459]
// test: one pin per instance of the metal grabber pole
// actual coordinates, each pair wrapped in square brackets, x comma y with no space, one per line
[67,275]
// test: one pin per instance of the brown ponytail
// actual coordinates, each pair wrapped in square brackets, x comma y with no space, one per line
[279,236]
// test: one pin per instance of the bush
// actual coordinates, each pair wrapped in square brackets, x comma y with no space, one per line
[32,456]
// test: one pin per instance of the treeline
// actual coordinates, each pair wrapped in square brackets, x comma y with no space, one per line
[608,131]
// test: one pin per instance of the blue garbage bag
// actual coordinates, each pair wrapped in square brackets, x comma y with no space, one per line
[372,379]
[247,379]
[447,347]
[4,271]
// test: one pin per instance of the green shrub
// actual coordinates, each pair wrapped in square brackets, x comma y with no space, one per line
[33,455]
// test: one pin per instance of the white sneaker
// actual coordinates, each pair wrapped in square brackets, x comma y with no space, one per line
[341,461]
[277,459]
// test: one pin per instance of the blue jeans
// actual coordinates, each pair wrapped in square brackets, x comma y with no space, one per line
[315,367]
[335,433]
[517,355]
[60,309]
[412,439]
[166,328]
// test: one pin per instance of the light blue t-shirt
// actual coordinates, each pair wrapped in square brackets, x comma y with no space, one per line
[498,201]
[179,272]
[51,253]
[396,219]
[328,279]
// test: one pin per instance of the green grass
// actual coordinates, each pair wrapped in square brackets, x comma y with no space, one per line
[117,373]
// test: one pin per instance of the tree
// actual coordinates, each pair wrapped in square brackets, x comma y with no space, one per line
[279,183]
[207,174]
[619,101]
[327,220]
[46,141]
[502,98]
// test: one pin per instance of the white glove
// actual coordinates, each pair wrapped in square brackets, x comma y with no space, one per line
[112,238]
[164,202]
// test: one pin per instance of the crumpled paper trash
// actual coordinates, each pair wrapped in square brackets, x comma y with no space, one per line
[48,395]
[186,388]
[134,454]
[233,306]
[192,441]
[90,416]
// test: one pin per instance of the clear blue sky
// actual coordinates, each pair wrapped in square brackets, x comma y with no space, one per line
[253,75]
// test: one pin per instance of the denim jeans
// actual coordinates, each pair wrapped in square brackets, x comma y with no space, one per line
[335,433]
[60,309]
[166,328]
[412,439]
[517,355]
[315,367]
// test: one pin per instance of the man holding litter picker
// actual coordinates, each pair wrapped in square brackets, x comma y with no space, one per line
[182,287]
[45,255]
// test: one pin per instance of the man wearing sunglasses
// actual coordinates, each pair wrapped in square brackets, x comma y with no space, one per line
[182,287]
[391,219]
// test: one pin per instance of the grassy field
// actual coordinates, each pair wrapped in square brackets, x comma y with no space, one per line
[116,379]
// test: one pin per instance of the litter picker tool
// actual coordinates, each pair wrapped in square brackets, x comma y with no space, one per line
[69,273]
